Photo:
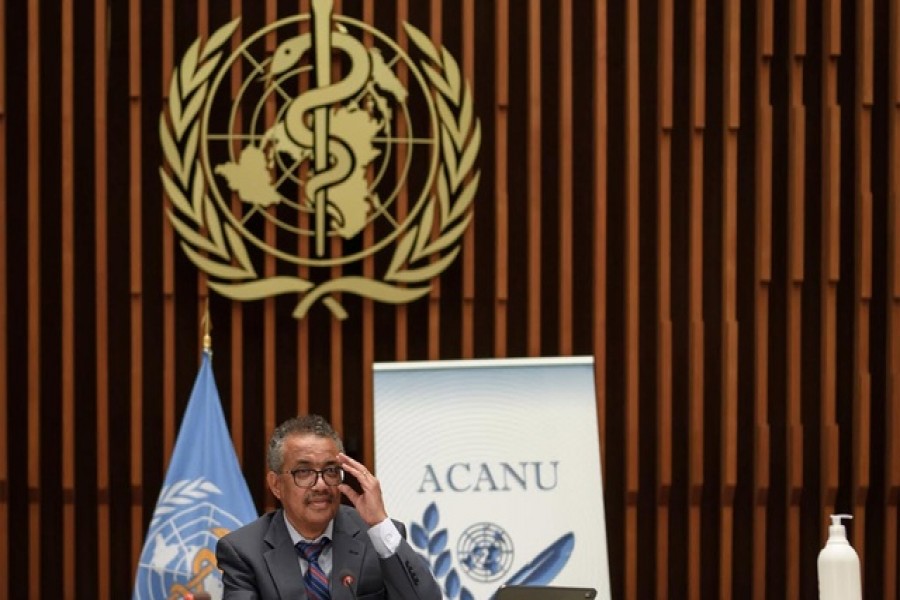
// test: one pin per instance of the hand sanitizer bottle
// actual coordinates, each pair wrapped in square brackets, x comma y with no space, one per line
[839,565]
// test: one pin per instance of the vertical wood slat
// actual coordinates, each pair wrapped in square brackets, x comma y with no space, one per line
[202,294]
[4,335]
[336,349]
[268,305]
[468,242]
[632,292]
[67,210]
[434,299]
[665,70]
[795,217]
[336,330]
[135,271]
[202,285]
[600,118]
[695,293]
[534,196]
[863,272]
[34,294]
[762,279]
[729,424]
[304,248]
[566,178]
[892,387]
[101,282]
[501,187]
[236,314]
[401,352]
[169,85]
[830,260]
[368,314]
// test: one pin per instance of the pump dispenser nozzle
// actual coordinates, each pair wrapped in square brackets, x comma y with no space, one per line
[837,528]
[839,575]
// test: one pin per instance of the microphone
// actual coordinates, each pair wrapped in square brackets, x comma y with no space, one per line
[348,581]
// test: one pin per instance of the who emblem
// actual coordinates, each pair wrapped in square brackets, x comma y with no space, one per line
[325,145]
[179,556]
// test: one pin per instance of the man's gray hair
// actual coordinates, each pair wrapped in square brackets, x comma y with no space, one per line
[305,425]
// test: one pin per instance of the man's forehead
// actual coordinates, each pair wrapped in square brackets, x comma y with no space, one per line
[310,445]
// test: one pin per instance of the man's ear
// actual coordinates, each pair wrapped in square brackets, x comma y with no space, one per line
[272,480]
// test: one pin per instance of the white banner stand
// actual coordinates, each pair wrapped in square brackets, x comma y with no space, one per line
[494,466]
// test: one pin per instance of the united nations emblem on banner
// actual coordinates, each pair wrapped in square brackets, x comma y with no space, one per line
[484,554]
[318,158]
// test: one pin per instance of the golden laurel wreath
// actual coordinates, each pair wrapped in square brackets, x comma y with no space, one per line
[433,242]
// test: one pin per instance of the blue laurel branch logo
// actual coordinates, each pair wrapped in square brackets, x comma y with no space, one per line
[544,567]
[433,544]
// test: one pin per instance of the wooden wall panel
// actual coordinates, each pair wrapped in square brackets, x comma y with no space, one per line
[697,330]
[135,272]
[863,269]
[501,172]
[4,333]
[762,280]
[599,225]
[66,457]
[368,326]
[890,564]
[830,255]
[534,169]
[630,258]
[270,388]
[665,69]
[33,92]
[167,251]
[795,273]
[731,122]
[566,183]
[742,149]
[303,248]
[101,300]
[468,257]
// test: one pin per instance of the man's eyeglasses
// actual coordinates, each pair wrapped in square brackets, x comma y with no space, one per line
[306,478]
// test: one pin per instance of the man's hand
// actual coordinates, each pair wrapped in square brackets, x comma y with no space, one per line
[369,503]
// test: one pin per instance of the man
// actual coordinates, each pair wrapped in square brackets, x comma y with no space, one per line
[314,547]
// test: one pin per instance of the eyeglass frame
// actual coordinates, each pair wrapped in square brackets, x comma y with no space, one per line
[318,473]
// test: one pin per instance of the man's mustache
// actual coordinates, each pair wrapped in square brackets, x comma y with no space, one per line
[316,497]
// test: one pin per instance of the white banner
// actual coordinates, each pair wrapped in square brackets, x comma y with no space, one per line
[494,466]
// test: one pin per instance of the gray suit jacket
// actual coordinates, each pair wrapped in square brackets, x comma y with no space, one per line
[259,561]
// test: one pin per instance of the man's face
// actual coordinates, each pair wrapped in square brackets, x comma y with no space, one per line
[308,509]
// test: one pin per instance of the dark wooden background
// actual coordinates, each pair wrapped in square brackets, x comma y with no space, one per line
[702,194]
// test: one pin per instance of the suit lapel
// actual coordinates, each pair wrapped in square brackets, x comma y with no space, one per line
[347,554]
[282,560]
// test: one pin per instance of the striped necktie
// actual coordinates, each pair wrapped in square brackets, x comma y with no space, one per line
[316,580]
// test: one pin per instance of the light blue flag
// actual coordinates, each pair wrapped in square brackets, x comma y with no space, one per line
[204,496]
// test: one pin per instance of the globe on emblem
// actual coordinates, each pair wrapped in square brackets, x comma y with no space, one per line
[181,556]
[292,142]
[485,552]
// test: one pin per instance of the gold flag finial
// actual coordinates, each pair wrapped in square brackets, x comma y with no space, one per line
[206,323]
